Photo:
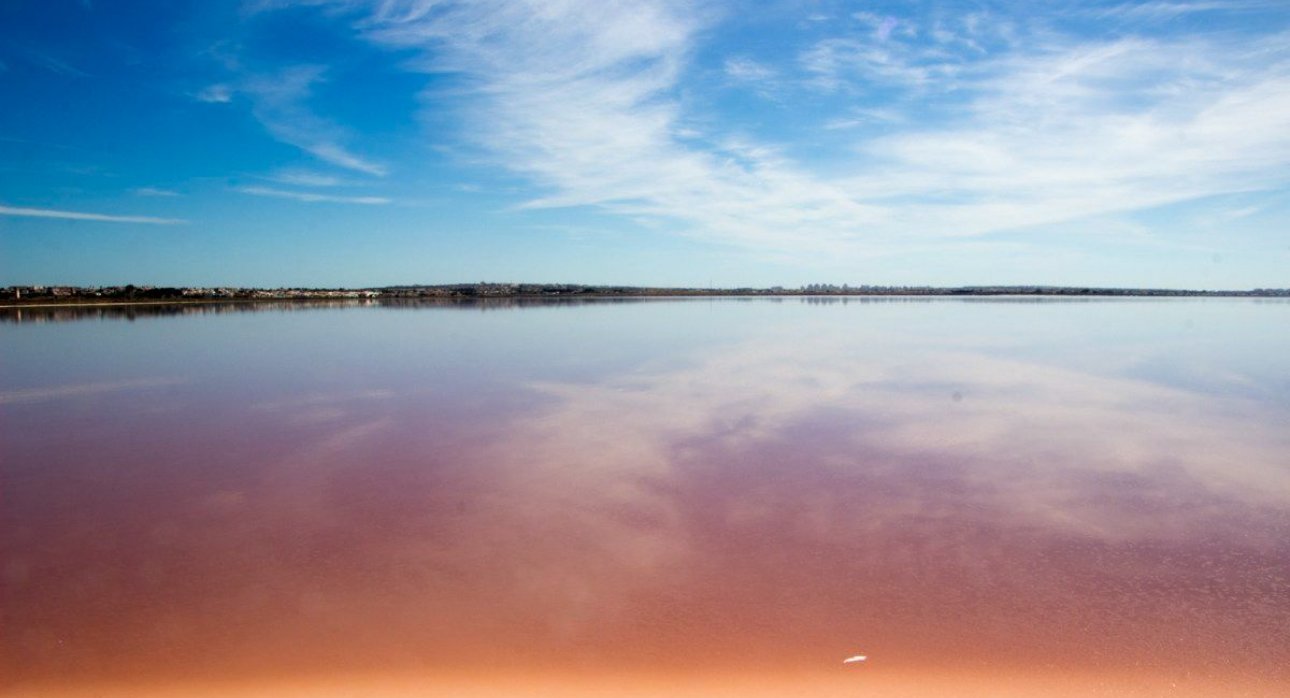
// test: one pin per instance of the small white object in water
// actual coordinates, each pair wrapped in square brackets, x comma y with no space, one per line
[857,658]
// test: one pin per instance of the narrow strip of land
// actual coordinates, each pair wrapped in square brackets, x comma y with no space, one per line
[34,296]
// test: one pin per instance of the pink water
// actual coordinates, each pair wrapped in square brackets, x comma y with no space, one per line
[656,498]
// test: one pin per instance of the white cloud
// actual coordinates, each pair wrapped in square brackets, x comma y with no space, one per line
[991,128]
[1168,10]
[305,178]
[215,94]
[1095,128]
[883,27]
[863,116]
[748,70]
[280,105]
[763,80]
[578,97]
[860,64]
[312,197]
[81,216]
[155,191]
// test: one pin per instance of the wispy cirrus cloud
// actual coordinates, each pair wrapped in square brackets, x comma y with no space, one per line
[759,77]
[305,178]
[883,27]
[84,216]
[54,64]
[579,97]
[989,124]
[215,94]
[313,197]
[858,63]
[742,69]
[1168,9]
[155,192]
[280,105]
[861,116]
[1092,128]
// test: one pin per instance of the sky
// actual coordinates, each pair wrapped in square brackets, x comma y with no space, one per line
[335,143]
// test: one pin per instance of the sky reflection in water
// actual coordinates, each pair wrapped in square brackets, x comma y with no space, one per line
[666,488]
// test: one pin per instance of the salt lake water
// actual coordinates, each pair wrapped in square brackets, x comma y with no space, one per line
[656,497]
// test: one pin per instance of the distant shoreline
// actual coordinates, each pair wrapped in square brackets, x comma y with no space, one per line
[15,297]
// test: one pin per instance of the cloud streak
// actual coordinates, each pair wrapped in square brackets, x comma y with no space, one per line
[155,192]
[1168,10]
[301,178]
[55,65]
[61,392]
[215,94]
[280,105]
[312,197]
[83,216]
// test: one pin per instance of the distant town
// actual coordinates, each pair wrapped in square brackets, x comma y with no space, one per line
[33,295]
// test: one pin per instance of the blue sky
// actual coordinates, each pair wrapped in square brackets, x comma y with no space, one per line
[372,142]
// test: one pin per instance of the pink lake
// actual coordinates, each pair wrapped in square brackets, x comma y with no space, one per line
[668,497]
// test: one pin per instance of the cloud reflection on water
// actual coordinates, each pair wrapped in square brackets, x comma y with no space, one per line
[1021,427]
[803,493]
[63,392]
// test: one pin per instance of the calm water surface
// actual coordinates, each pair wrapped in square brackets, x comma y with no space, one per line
[678,497]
